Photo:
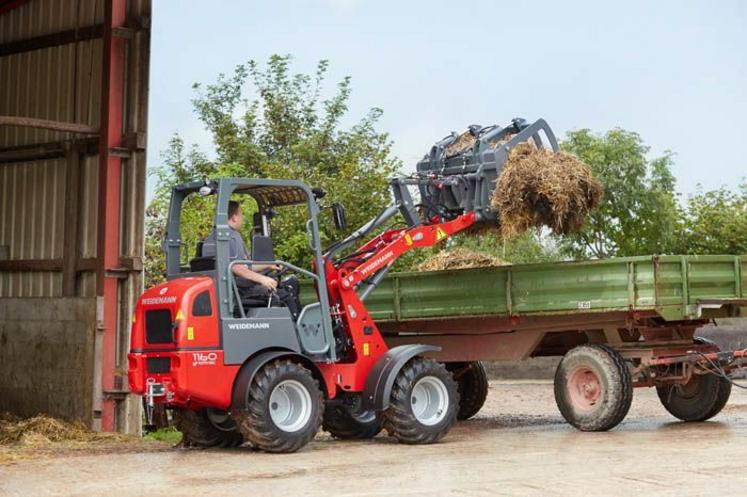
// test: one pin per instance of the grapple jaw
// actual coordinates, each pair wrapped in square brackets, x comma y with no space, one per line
[458,175]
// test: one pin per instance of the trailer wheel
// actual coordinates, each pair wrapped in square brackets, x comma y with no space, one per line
[424,403]
[472,383]
[206,428]
[341,424]
[284,409]
[699,399]
[593,388]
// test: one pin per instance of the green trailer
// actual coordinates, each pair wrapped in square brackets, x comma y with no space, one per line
[619,323]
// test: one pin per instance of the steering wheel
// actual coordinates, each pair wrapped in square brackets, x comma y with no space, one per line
[277,273]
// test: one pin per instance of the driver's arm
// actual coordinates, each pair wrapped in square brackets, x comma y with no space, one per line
[265,267]
[243,271]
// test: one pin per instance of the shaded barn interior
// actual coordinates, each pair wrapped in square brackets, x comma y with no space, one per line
[73,122]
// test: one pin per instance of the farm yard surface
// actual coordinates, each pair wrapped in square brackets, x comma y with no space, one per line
[517,445]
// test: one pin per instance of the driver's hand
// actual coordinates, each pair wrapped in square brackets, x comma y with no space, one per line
[268,283]
[276,267]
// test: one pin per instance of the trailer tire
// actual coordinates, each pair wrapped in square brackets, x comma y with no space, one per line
[424,403]
[198,430]
[472,383]
[699,401]
[341,424]
[593,388]
[284,408]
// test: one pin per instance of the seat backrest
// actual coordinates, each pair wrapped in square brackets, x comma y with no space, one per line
[262,249]
[202,264]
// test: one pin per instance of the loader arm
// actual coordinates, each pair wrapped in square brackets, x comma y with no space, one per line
[387,247]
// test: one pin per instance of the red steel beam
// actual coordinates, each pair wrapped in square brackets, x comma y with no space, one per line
[107,286]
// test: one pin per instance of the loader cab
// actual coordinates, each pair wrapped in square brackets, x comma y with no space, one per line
[247,329]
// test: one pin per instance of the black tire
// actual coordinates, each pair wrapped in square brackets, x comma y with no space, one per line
[256,423]
[609,398]
[703,397]
[199,431]
[472,383]
[401,421]
[341,424]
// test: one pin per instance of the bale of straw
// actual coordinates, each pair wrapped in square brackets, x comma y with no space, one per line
[538,187]
[458,258]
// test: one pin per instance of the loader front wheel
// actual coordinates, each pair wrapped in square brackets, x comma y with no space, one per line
[593,389]
[341,424]
[472,382]
[424,403]
[284,408]
[205,428]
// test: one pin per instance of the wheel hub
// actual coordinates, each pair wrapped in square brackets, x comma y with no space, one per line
[290,405]
[429,400]
[585,389]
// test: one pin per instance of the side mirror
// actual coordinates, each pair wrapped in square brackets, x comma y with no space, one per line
[338,215]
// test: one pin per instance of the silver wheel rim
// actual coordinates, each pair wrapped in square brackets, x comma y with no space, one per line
[429,400]
[290,405]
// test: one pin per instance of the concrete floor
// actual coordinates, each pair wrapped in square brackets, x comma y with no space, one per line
[518,445]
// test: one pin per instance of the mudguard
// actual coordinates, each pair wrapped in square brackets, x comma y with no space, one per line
[378,388]
[255,363]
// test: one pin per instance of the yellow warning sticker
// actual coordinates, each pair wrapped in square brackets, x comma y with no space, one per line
[190,333]
[366,350]
[440,234]
[179,314]
[408,239]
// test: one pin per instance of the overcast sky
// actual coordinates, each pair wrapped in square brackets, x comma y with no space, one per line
[674,71]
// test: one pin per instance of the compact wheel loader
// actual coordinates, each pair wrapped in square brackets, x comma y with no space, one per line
[239,372]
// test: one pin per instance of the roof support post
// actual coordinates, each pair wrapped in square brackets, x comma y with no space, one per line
[108,234]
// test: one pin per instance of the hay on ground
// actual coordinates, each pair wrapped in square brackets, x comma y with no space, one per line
[41,430]
[544,188]
[458,258]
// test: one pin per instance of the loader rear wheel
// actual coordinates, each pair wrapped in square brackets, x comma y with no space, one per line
[472,382]
[284,409]
[424,403]
[593,388]
[343,425]
[699,399]
[206,428]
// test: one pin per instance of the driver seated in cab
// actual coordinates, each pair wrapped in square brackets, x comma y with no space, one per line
[258,284]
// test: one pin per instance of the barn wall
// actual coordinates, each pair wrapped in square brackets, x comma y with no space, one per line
[50,212]
[46,356]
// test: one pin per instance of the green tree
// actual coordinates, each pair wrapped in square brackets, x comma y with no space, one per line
[639,212]
[271,123]
[715,222]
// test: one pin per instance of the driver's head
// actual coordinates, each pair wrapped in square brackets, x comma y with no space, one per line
[235,216]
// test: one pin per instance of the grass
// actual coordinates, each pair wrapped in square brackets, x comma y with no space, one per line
[164,435]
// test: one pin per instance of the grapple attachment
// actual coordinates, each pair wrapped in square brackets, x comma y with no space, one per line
[459,173]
